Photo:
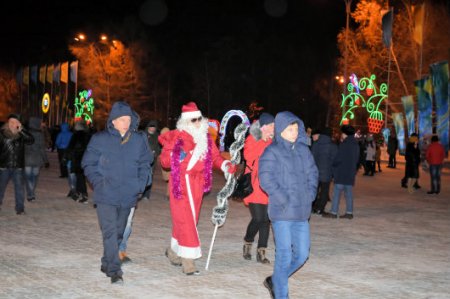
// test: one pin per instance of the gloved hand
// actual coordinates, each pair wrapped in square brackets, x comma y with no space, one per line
[219,215]
[231,168]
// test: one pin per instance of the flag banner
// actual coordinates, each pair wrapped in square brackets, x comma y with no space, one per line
[424,91]
[42,72]
[74,71]
[399,129]
[56,72]
[64,72]
[419,16]
[408,105]
[386,24]
[26,75]
[50,73]
[439,73]
[34,74]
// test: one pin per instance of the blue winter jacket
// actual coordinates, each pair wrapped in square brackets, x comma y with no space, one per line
[288,173]
[324,152]
[118,167]
[345,163]
[63,138]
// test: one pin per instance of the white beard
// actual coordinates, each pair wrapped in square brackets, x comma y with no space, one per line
[199,135]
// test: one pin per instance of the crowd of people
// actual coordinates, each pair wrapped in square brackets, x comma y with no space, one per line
[291,167]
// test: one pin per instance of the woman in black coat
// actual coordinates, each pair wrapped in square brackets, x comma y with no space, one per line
[412,157]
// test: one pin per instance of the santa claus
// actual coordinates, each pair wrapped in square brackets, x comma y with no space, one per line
[190,153]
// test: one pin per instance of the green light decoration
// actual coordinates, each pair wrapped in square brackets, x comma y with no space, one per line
[84,106]
[354,99]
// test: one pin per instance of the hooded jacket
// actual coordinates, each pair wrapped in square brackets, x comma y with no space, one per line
[324,151]
[63,138]
[118,167]
[153,142]
[345,164]
[288,173]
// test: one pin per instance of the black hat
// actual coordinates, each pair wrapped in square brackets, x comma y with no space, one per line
[348,130]
[265,119]
[16,116]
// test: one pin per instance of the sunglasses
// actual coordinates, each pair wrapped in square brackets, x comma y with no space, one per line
[194,120]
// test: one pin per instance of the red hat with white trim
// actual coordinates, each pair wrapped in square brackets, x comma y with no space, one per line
[189,111]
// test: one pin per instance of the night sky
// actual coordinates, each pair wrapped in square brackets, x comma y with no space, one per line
[37,32]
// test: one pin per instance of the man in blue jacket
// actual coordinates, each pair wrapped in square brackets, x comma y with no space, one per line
[117,163]
[288,174]
[345,166]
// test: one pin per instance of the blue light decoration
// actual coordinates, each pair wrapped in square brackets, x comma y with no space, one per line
[355,99]
[84,106]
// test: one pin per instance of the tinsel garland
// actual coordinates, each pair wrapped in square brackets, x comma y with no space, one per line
[175,168]
[207,173]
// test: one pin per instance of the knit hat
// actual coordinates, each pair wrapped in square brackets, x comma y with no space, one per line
[348,130]
[189,111]
[265,119]
[16,116]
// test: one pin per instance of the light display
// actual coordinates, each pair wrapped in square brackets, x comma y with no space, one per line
[224,122]
[371,101]
[45,102]
[84,106]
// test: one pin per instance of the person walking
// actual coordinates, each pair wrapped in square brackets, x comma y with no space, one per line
[288,174]
[117,163]
[260,137]
[190,154]
[392,148]
[13,138]
[435,156]
[324,151]
[412,158]
[345,166]
[61,143]
[370,156]
[152,136]
[35,157]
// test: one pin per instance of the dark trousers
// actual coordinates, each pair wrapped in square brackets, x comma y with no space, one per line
[62,164]
[392,161]
[435,174]
[19,187]
[112,221]
[81,183]
[323,194]
[370,167]
[259,223]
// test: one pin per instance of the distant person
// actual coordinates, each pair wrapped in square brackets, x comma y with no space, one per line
[378,155]
[152,136]
[260,137]
[344,171]
[35,156]
[412,158]
[54,131]
[392,148]
[435,156]
[324,151]
[62,142]
[370,156]
[74,152]
[13,138]
[117,163]
[288,174]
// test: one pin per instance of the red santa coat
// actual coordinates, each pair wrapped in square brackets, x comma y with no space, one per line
[253,149]
[185,209]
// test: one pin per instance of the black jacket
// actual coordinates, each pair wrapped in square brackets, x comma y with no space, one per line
[12,147]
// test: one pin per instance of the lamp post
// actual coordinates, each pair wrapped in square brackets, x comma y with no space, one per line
[348,4]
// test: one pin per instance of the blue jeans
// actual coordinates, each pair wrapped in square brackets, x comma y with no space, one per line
[17,176]
[127,231]
[435,174]
[31,176]
[348,193]
[292,242]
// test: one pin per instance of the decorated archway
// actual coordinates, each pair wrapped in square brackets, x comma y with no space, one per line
[370,100]
[224,122]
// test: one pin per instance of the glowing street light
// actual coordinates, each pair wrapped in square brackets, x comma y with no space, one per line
[103,37]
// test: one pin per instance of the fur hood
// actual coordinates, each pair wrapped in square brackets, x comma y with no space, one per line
[255,130]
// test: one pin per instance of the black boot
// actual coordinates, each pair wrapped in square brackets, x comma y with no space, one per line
[268,284]
[261,256]
[246,251]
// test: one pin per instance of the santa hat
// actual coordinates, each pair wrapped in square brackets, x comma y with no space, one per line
[189,111]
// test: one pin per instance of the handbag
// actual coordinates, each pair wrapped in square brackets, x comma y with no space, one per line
[243,186]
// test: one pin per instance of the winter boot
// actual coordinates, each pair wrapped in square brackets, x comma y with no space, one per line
[411,186]
[246,251]
[173,257]
[261,256]
[189,267]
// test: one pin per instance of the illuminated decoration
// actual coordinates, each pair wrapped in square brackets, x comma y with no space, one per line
[45,102]
[371,102]
[213,128]
[84,106]
[224,122]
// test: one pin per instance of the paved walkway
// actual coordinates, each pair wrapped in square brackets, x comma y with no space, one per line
[397,246]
